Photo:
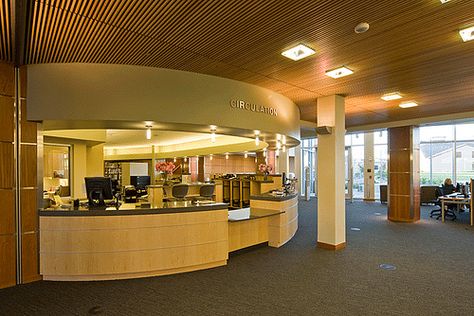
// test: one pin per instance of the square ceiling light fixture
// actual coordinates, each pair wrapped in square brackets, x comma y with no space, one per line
[298,52]
[339,72]
[467,34]
[408,104]
[391,96]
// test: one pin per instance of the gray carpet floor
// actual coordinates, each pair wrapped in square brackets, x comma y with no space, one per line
[434,276]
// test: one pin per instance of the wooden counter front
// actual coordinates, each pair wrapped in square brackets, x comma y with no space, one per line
[276,229]
[131,246]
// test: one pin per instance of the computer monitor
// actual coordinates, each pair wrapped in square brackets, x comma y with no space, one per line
[98,190]
[140,182]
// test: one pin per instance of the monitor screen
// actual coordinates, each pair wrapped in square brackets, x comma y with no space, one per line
[98,189]
[140,182]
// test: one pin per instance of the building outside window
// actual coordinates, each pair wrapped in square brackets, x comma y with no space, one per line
[308,160]
[446,152]
[380,161]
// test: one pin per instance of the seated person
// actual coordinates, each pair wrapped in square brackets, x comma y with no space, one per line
[448,187]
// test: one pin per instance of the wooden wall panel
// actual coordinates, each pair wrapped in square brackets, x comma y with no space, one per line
[28,166]
[7,212]
[29,213]
[7,261]
[6,166]
[30,257]
[404,174]
[7,80]
[28,129]
[7,110]
[7,177]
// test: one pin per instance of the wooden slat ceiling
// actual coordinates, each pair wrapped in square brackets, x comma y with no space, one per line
[412,47]
[6,42]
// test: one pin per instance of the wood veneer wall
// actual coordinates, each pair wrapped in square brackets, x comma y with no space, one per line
[404,174]
[7,177]
[28,187]
[18,183]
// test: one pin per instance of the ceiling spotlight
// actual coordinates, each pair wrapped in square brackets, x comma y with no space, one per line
[226,155]
[298,52]
[444,1]
[148,131]
[467,34]
[361,27]
[339,72]
[185,159]
[391,96]
[210,157]
[257,139]
[408,104]
[213,133]
[174,159]
[246,155]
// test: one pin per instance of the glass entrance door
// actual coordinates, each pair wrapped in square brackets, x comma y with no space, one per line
[348,169]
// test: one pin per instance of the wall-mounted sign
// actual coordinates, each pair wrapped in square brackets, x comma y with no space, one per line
[241,104]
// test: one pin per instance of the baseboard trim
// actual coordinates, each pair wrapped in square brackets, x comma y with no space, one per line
[403,220]
[326,246]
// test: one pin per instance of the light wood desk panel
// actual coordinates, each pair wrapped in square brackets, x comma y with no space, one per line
[131,246]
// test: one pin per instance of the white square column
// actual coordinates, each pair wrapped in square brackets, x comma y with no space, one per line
[331,174]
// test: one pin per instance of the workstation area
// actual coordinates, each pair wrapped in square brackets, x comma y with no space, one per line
[148,196]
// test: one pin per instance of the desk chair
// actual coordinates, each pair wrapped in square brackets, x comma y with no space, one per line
[179,191]
[206,191]
[437,212]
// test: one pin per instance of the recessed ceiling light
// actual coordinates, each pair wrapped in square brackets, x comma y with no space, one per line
[339,72]
[391,96]
[467,34]
[408,104]
[444,1]
[298,52]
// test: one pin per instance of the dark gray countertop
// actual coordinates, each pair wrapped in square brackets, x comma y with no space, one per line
[270,197]
[131,209]
[248,213]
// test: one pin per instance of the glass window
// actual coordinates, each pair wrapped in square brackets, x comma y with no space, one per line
[357,139]
[358,171]
[347,140]
[464,162]
[56,169]
[441,162]
[425,163]
[380,167]
[437,133]
[380,137]
[465,132]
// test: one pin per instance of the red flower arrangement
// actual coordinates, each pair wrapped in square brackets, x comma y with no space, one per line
[165,167]
[266,169]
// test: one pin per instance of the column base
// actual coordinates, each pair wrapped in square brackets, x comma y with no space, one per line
[403,220]
[323,245]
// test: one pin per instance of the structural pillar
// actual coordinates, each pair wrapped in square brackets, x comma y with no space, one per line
[404,174]
[369,188]
[331,196]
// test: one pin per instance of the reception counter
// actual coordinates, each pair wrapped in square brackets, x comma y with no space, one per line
[82,244]
[272,219]
[102,244]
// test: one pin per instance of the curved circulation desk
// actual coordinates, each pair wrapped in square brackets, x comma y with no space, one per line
[82,244]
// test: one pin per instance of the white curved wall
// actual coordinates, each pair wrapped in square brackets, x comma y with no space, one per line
[119,92]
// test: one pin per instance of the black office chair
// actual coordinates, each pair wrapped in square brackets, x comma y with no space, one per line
[449,212]
[179,191]
[206,191]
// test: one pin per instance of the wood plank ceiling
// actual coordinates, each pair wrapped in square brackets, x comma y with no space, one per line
[412,47]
